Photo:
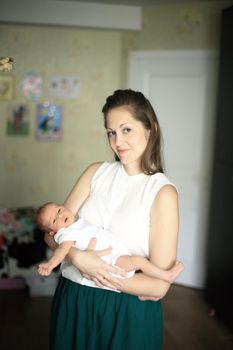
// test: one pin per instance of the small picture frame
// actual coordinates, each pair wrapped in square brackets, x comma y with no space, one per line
[6,87]
[17,120]
[67,87]
[49,122]
[32,86]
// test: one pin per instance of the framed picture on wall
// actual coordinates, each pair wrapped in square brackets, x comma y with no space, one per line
[67,87]
[49,122]
[6,87]
[17,120]
[32,86]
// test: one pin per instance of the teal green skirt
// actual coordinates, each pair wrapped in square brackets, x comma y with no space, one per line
[85,318]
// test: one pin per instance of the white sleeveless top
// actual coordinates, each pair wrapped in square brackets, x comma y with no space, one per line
[121,204]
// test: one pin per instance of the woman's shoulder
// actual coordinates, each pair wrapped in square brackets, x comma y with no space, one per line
[89,172]
[96,165]
[166,189]
[92,168]
[98,175]
[104,167]
[97,169]
[161,179]
[159,183]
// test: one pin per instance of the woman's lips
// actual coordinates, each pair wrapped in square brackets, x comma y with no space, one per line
[122,151]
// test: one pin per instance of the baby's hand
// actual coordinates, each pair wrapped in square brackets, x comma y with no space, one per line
[44,269]
[126,263]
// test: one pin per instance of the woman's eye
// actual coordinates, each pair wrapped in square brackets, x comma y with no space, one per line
[54,221]
[59,210]
[126,130]
[110,133]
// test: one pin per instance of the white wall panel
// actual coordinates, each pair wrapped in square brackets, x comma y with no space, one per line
[182,88]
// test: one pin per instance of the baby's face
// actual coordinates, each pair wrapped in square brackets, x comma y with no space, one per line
[57,216]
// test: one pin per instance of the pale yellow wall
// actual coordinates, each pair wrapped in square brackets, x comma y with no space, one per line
[194,25]
[32,172]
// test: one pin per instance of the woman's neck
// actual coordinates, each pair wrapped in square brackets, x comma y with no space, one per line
[132,169]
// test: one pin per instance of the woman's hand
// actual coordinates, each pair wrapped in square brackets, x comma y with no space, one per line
[91,265]
[144,298]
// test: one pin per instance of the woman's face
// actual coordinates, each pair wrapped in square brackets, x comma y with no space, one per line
[127,137]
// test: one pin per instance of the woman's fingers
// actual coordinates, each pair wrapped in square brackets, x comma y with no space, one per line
[103,252]
[96,269]
[104,282]
[101,282]
[107,284]
[97,282]
[108,279]
[144,298]
[117,271]
[104,266]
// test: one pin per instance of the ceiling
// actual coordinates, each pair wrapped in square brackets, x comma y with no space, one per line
[142,2]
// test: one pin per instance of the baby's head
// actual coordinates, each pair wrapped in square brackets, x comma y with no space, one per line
[51,217]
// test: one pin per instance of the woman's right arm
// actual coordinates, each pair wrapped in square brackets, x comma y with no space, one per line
[81,189]
[77,197]
[88,262]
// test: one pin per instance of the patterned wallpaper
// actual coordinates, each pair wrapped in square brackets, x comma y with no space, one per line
[32,171]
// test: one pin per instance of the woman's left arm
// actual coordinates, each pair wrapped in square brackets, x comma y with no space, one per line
[164,226]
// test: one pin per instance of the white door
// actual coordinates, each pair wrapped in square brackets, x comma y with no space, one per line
[181,86]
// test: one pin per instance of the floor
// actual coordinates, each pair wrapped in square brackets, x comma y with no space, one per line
[24,322]
[188,325]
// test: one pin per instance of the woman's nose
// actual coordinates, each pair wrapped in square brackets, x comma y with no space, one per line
[118,139]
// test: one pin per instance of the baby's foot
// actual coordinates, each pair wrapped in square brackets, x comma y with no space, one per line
[175,271]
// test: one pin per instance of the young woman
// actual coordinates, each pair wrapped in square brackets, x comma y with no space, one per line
[134,199]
